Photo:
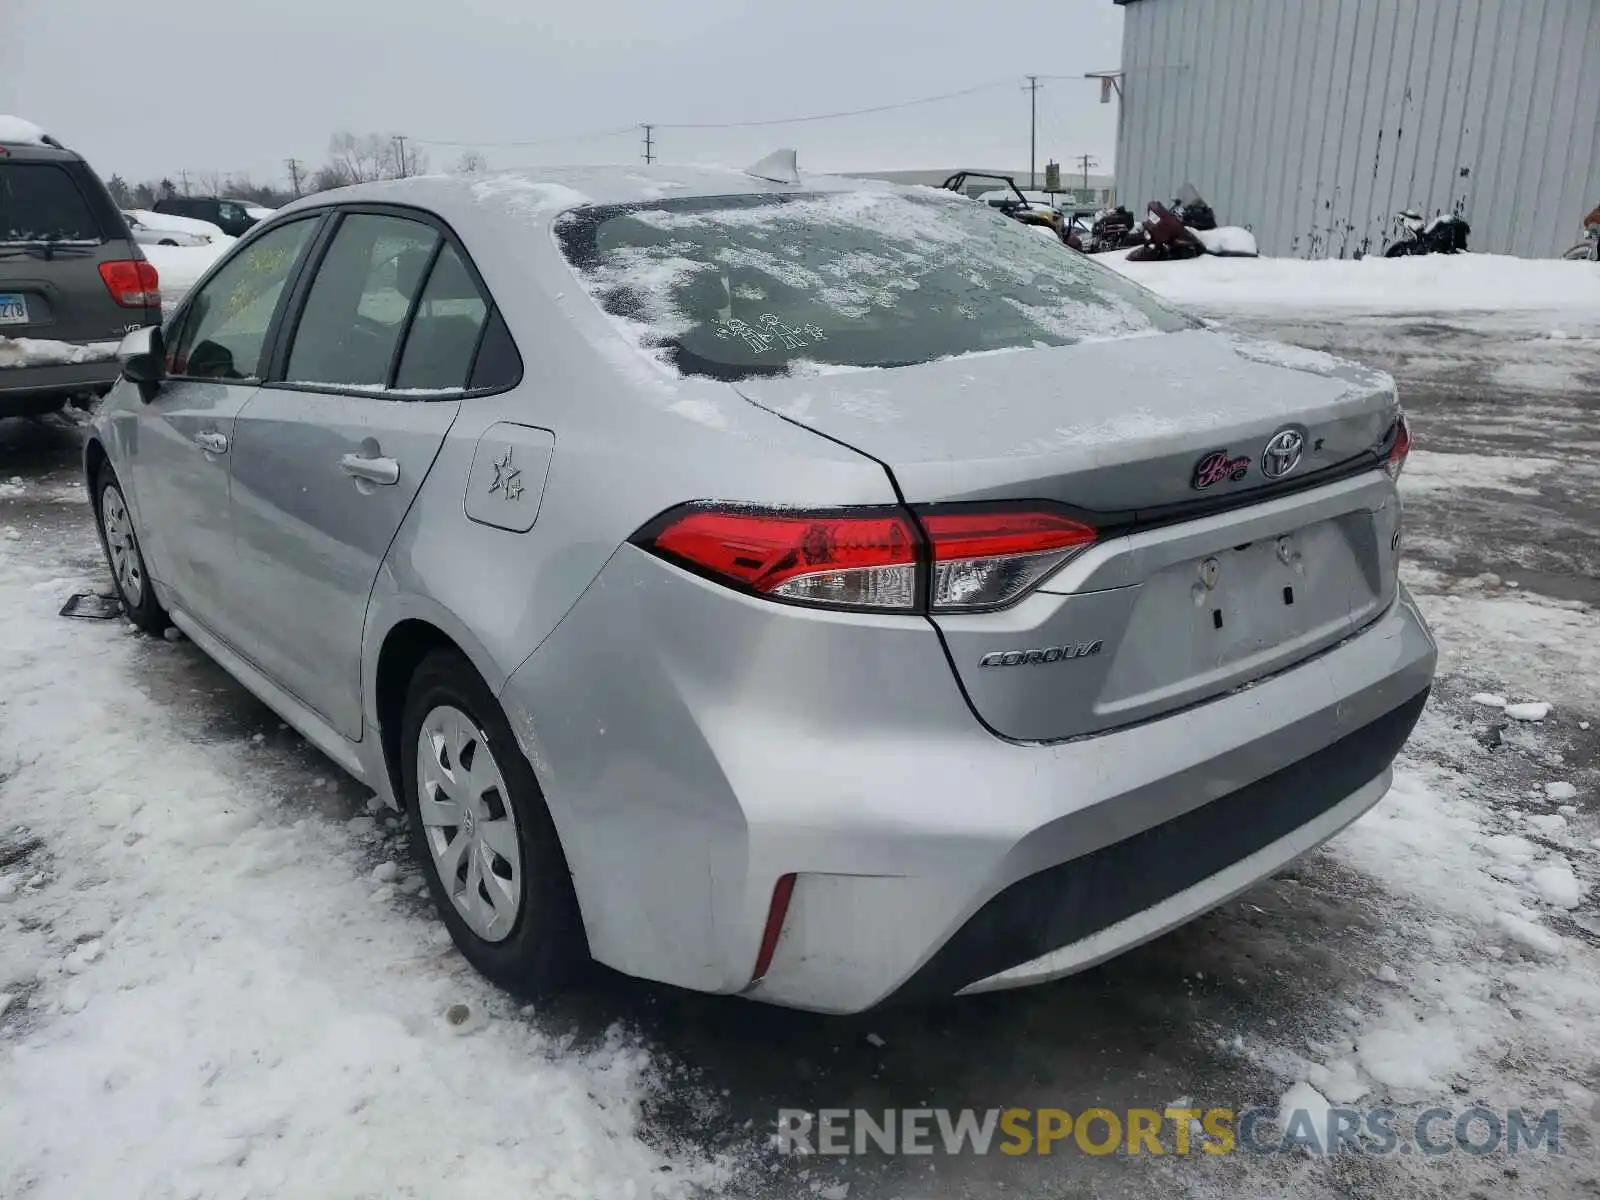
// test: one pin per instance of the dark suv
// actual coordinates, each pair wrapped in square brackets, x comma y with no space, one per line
[72,281]
[227,215]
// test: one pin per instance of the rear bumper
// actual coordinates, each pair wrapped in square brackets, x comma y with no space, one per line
[25,390]
[1080,912]
[696,745]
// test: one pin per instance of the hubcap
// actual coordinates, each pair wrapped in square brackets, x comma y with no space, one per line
[468,821]
[122,545]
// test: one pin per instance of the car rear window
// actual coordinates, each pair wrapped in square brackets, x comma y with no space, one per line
[739,286]
[39,202]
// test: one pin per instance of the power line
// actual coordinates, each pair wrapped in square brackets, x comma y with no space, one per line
[834,116]
[546,141]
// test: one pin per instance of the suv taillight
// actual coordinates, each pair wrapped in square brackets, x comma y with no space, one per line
[133,283]
[952,558]
[1398,449]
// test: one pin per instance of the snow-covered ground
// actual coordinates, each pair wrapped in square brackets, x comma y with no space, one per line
[207,990]
[1431,284]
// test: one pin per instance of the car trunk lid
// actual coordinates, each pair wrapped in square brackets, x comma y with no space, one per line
[1209,573]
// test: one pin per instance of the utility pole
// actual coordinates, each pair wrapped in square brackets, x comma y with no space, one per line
[1086,162]
[400,146]
[296,170]
[1033,129]
[649,145]
[184,175]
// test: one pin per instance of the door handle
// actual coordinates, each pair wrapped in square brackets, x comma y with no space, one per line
[374,470]
[211,442]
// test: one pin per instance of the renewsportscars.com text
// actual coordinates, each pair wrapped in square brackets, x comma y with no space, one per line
[1176,1131]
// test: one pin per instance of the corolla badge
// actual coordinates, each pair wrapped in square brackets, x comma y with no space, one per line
[1282,454]
[1217,466]
[1046,654]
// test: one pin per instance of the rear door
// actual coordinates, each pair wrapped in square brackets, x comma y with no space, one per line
[216,355]
[331,453]
[57,229]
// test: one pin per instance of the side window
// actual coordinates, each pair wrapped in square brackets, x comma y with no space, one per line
[356,308]
[444,333]
[226,325]
[498,364]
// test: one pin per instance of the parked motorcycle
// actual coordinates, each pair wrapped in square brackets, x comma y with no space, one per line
[1189,229]
[1587,250]
[1443,234]
[1113,229]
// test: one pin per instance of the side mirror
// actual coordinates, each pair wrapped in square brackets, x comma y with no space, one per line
[143,355]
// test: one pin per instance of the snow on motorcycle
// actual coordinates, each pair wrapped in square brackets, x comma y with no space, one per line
[1443,234]
[1189,229]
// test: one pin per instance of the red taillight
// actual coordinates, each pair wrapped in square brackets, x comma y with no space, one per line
[989,559]
[853,560]
[950,558]
[133,283]
[782,893]
[1399,449]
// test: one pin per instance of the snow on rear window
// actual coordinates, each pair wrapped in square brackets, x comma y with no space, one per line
[740,286]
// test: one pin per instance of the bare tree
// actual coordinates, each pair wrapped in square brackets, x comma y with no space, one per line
[326,178]
[471,162]
[360,158]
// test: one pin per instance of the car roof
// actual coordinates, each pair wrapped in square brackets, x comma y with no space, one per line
[34,152]
[546,192]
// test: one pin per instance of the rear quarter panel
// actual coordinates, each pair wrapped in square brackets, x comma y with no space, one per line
[630,441]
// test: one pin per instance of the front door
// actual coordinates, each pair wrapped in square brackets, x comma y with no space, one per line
[185,434]
[328,459]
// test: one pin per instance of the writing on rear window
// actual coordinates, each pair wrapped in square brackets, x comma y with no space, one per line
[748,285]
[774,332]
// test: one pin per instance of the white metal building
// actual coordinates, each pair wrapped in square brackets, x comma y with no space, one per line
[1315,121]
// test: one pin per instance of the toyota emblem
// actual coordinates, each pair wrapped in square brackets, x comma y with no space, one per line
[1282,454]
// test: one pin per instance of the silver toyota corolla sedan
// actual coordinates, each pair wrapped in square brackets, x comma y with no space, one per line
[815,590]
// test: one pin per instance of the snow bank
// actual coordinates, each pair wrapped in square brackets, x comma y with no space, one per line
[19,132]
[180,267]
[41,352]
[1429,284]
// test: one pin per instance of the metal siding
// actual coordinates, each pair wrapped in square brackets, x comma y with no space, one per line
[1282,45]
[1374,84]
[1487,229]
[1553,161]
[1582,190]
[1314,122]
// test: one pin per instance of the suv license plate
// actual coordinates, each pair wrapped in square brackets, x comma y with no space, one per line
[13,309]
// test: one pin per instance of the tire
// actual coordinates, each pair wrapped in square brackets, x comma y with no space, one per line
[124,555]
[540,947]
[1578,253]
[167,242]
[1400,250]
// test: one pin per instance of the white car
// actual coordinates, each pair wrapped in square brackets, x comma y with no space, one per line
[145,235]
[167,223]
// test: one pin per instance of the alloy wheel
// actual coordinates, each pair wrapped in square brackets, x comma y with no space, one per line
[469,823]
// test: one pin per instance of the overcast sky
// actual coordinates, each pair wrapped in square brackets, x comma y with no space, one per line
[146,88]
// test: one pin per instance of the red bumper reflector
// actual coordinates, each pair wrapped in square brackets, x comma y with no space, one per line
[782,893]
